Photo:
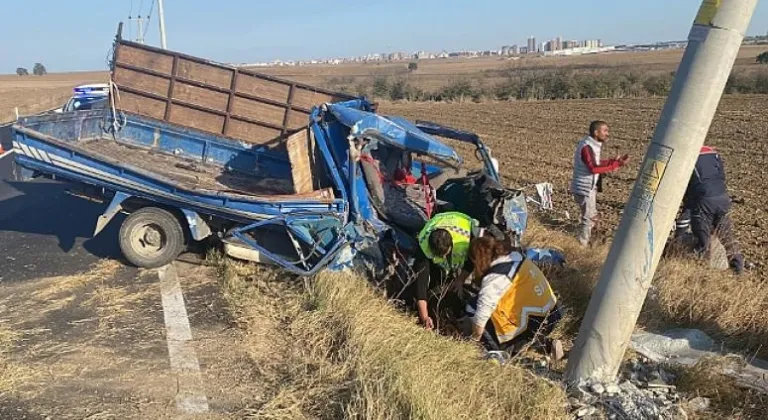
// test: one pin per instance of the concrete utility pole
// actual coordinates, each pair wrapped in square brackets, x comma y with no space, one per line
[161,16]
[714,42]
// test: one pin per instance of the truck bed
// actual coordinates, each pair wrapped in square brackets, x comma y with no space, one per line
[187,173]
[164,154]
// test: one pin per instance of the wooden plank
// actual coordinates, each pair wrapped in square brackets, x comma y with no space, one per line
[305,98]
[205,73]
[230,100]
[220,99]
[139,81]
[263,112]
[161,63]
[200,96]
[301,163]
[194,118]
[320,176]
[171,86]
[297,119]
[252,133]
[261,88]
[142,105]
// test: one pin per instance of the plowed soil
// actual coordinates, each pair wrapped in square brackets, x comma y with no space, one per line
[535,141]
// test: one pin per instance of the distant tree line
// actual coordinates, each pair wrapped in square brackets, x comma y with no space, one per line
[37,70]
[541,85]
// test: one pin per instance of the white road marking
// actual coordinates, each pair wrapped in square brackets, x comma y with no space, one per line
[190,397]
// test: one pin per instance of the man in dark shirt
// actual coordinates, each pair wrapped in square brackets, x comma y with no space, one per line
[706,204]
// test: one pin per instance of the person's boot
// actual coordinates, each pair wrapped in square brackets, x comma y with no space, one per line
[737,265]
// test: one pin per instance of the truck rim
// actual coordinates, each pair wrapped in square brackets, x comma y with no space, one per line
[148,240]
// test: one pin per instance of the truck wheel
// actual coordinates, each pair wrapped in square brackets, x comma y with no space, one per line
[151,237]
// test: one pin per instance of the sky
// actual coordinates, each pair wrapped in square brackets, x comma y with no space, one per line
[77,34]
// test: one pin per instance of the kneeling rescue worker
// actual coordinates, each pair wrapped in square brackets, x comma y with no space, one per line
[444,244]
[516,304]
[706,205]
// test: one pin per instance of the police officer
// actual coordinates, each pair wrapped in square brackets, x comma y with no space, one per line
[444,245]
[706,205]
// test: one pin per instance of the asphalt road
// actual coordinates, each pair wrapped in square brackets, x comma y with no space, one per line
[45,232]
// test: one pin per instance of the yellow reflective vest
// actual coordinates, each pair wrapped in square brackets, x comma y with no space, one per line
[460,226]
[516,289]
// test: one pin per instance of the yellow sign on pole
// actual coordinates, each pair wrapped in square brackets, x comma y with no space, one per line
[649,179]
[707,12]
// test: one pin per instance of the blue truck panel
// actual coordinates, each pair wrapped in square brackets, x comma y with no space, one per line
[52,143]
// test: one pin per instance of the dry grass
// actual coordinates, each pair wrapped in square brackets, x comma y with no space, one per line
[334,348]
[62,289]
[113,303]
[12,374]
[685,293]
[728,401]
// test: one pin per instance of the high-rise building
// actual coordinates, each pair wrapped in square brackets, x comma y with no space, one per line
[505,50]
[515,50]
[558,43]
[592,43]
[531,45]
[570,44]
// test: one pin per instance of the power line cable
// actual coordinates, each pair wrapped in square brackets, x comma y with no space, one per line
[130,24]
[149,16]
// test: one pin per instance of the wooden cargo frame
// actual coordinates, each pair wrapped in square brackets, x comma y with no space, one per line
[197,93]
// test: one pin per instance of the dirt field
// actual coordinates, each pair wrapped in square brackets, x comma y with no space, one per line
[38,93]
[534,142]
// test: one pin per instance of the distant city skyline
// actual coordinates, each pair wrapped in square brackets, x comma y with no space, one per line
[551,47]
[68,36]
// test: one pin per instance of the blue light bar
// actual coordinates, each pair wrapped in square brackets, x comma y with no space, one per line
[90,91]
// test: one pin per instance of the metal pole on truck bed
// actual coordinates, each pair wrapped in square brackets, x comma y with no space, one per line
[714,42]
[140,36]
[161,18]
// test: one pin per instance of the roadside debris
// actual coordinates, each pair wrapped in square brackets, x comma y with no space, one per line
[544,190]
[688,346]
[644,392]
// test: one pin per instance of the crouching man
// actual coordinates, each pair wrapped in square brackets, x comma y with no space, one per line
[444,244]
[706,207]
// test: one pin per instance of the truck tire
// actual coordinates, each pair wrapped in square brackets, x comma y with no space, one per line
[151,237]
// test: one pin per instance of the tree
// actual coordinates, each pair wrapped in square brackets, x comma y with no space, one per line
[39,69]
[658,85]
[380,87]
[21,71]
[413,66]
[762,58]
